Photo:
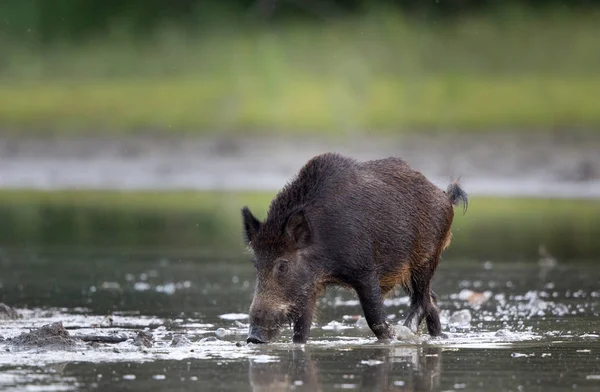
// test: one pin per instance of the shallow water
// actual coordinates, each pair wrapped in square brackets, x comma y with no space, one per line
[507,326]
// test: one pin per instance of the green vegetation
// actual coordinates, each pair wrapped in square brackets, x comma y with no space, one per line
[493,228]
[375,72]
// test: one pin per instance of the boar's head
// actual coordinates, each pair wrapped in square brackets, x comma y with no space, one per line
[285,277]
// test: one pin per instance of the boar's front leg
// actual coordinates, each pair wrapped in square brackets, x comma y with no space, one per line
[371,301]
[302,329]
[303,323]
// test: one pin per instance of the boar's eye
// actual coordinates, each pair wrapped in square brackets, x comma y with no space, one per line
[281,268]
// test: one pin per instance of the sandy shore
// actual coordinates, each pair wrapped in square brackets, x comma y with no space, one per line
[528,164]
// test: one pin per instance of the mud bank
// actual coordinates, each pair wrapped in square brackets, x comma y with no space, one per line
[505,164]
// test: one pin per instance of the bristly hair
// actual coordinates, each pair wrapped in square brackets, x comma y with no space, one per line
[304,189]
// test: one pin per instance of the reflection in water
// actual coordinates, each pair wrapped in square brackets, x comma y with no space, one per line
[395,368]
[297,371]
[207,221]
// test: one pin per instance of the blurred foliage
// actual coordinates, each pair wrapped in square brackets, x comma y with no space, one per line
[379,72]
[75,20]
[70,66]
[493,229]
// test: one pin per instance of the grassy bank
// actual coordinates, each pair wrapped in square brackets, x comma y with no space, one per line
[379,72]
[492,229]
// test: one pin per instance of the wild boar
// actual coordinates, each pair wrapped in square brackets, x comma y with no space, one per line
[366,226]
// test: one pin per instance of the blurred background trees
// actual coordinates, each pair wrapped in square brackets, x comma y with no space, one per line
[73,20]
[292,65]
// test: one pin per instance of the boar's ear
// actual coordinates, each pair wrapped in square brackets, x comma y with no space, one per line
[251,225]
[298,230]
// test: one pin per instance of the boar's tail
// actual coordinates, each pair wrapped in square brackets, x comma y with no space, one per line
[457,195]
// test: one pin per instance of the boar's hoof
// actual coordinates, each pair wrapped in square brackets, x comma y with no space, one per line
[384,332]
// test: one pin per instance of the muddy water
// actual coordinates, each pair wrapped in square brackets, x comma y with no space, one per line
[507,326]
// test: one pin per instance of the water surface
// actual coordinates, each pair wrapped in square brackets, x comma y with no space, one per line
[507,326]
[518,291]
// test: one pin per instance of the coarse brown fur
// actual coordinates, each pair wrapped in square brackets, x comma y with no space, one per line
[369,226]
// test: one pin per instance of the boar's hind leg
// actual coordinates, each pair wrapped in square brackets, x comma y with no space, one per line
[371,301]
[423,304]
[433,318]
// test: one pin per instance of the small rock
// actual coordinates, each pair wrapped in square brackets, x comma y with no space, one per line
[180,341]
[143,338]
[239,344]
[7,313]
[116,350]
[209,339]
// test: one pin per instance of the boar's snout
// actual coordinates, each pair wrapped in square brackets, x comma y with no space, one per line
[266,319]
[257,335]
